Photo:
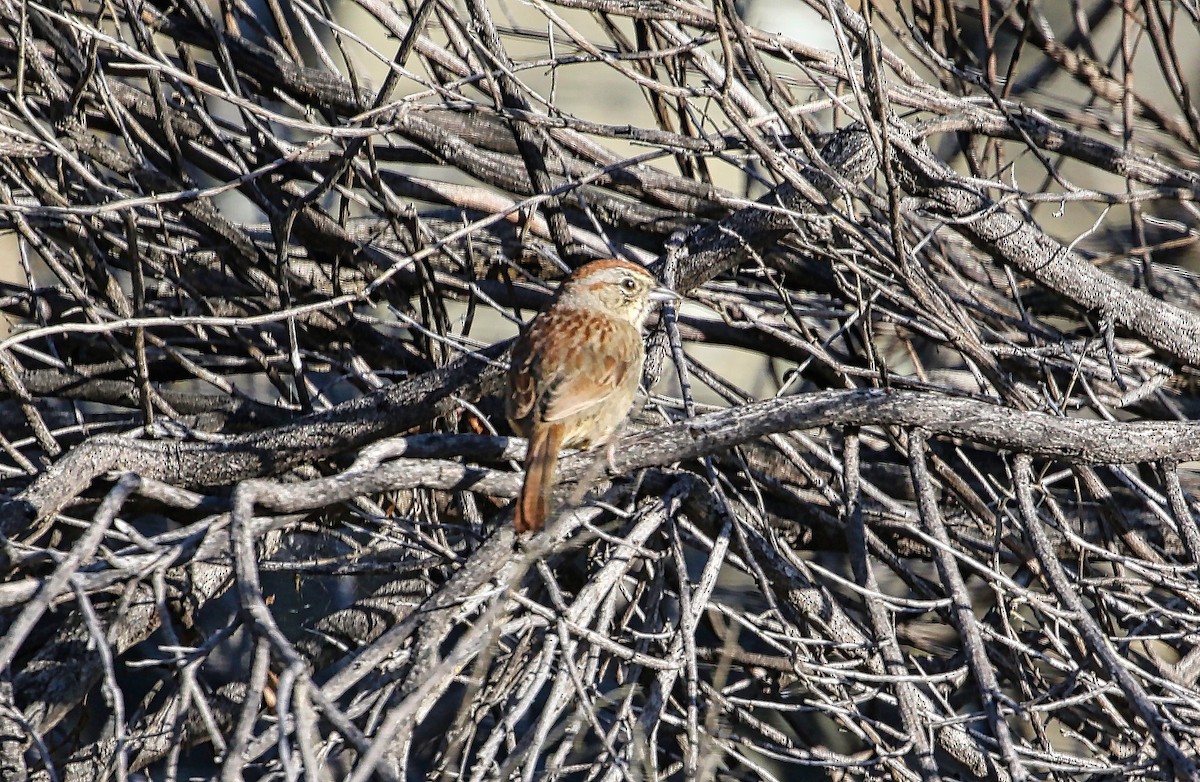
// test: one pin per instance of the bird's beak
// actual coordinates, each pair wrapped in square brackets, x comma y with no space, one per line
[664,294]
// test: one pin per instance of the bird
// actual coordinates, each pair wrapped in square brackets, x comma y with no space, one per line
[575,371]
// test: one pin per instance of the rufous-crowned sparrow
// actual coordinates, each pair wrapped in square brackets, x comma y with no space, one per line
[575,371]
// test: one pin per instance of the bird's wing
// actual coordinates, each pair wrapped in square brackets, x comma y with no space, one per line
[574,392]
[565,377]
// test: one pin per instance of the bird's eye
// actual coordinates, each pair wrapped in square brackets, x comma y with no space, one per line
[628,284]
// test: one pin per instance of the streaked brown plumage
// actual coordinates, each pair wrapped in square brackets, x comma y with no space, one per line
[575,371]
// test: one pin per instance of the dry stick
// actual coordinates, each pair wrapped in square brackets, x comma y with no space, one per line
[1185,520]
[604,582]
[531,749]
[691,605]
[1082,441]
[1088,442]
[492,564]
[16,633]
[570,670]
[720,246]
[916,721]
[529,752]
[13,730]
[402,718]
[809,603]
[1015,240]
[980,422]
[236,755]
[1098,442]
[1010,237]
[1078,440]
[519,704]
[1170,754]
[261,622]
[534,144]
[57,677]
[495,567]
[616,568]
[113,692]
[988,224]
[963,614]
[592,637]
[352,424]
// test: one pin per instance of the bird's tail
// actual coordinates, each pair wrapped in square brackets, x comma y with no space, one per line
[533,505]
